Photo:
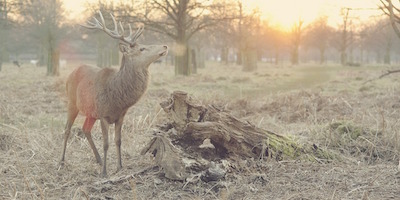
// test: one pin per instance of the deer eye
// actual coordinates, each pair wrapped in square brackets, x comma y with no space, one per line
[142,49]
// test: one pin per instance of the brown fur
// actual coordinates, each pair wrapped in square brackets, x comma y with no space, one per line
[106,94]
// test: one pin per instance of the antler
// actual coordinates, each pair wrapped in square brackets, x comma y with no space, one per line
[131,39]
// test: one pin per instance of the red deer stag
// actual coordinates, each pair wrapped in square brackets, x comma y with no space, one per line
[106,94]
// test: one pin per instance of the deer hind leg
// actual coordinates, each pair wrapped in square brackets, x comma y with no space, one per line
[72,113]
[117,139]
[104,129]
[87,127]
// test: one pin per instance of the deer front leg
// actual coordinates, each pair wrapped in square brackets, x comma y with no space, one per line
[117,139]
[87,128]
[104,130]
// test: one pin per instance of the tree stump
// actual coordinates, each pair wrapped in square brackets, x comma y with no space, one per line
[212,134]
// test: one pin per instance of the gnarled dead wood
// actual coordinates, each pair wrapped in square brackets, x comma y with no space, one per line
[228,134]
[196,126]
[166,156]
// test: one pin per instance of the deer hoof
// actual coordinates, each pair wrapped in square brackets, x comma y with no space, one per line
[118,169]
[103,175]
[98,161]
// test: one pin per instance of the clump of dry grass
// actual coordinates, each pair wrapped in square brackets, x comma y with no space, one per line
[357,142]
[307,106]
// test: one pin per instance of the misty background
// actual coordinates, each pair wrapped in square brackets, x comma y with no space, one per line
[197,31]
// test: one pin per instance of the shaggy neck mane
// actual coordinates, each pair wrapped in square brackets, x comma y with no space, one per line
[128,84]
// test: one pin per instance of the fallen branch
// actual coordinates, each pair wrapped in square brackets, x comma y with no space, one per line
[124,178]
[383,75]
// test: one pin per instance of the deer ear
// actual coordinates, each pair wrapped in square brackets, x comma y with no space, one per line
[124,48]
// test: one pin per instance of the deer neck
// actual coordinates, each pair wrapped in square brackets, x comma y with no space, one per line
[129,83]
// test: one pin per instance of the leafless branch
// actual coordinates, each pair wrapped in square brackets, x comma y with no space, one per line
[386,9]
[166,9]
[394,19]
[383,75]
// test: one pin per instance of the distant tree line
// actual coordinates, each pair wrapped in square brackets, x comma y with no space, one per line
[197,30]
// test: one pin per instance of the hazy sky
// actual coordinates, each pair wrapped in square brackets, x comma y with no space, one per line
[281,12]
[286,12]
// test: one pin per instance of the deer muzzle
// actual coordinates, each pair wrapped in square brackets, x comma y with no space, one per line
[165,51]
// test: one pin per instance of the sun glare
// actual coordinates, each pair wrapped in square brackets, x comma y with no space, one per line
[282,13]
[75,9]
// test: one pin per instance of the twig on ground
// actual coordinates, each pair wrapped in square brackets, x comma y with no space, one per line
[383,75]
[123,178]
[133,186]
[10,126]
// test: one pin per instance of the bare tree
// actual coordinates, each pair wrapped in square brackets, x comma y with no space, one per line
[248,36]
[44,17]
[296,38]
[106,49]
[277,38]
[393,12]
[318,36]
[378,37]
[221,37]
[346,36]
[3,29]
[7,7]
[180,20]
[197,50]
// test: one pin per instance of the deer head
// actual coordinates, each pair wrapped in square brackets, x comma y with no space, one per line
[138,54]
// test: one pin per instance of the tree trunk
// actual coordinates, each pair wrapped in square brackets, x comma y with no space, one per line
[104,51]
[193,60]
[182,66]
[343,57]
[1,57]
[200,58]
[224,55]
[239,60]
[386,58]
[2,46]
[53,63]
[378,57]
[321,56]
[99,58]
[250,60]
[105,57]
[42,57]
[115,54]
[276,56]
[295,56]
[109,56]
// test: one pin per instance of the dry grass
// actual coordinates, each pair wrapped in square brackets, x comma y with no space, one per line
[327,106]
